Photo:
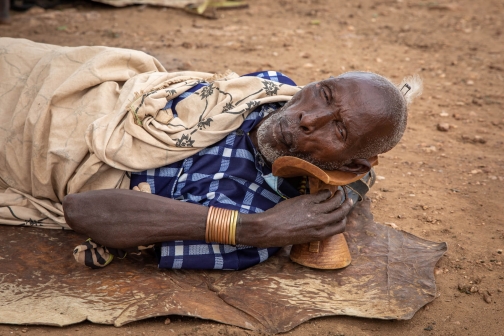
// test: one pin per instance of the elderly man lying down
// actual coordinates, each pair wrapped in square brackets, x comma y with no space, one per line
[82,125]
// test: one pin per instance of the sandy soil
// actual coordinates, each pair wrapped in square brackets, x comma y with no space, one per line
[440,185]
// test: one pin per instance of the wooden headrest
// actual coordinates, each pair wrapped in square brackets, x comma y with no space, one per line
[290,166]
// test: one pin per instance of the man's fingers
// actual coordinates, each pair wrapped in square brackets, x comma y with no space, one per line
[337,227]
[338,213]
[333,203]
[331,229]
[346,206]
[322,196]
[336,200]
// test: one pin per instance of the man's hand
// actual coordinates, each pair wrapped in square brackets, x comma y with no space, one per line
[298,220]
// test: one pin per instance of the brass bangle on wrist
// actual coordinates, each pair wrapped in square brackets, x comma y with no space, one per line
[221,226]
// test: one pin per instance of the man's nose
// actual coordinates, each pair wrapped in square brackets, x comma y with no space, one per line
[310,121]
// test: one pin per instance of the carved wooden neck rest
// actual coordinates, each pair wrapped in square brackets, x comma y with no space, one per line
[331,253]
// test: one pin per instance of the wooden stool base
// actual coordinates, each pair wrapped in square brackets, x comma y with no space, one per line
[332,253]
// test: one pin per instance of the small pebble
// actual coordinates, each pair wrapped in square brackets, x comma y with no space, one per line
[479,139]
[392,225]
[444,114]
[430,149]
[187,45]
[487,298]
[477,102]
[475,139]
[167,321]
[443,127]
[92,16]
[499,251]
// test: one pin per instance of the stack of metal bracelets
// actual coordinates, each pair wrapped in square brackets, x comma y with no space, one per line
[221,226]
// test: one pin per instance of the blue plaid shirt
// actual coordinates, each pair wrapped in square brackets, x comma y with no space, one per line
[231,175]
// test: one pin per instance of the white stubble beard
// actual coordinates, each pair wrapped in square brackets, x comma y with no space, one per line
[271,154]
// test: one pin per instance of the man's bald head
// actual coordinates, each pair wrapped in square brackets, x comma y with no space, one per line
[383,101]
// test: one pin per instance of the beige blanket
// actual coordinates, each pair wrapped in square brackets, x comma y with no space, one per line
[77,119]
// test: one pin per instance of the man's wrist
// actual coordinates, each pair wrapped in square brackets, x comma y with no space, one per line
[240,229]
[245,227]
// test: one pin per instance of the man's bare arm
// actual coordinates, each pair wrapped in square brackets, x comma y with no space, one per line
[126,218]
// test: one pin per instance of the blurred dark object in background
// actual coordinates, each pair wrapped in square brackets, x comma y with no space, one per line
[22,5]
[4,11]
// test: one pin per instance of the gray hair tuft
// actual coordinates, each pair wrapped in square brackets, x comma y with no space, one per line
[416,87]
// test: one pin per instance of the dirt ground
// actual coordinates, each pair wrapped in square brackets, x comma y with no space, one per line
[443,182]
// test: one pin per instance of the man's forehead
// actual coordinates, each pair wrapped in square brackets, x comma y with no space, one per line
[363,102]
[362,90]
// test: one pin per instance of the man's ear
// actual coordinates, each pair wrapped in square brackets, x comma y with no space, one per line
[356,166]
